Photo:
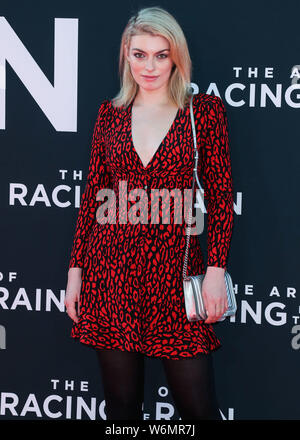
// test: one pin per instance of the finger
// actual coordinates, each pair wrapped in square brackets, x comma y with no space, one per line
[209,308]
[223,309]
[219,307]
[222,317]
[78,306]
[71,310]
[225,305]
[211,314]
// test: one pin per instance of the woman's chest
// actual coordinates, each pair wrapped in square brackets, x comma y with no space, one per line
[172,156]
[149,129]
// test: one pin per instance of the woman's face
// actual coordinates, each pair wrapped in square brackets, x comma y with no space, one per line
[149,56]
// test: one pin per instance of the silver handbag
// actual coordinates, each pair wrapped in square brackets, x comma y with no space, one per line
[192,285]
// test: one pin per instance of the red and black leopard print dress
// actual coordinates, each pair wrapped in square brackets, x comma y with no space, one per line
[131,293]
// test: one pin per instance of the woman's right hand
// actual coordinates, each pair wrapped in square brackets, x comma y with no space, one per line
[73,293]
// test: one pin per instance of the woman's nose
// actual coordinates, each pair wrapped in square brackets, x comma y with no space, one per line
[150,65]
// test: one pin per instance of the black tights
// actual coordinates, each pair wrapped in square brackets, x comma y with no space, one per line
[191,383]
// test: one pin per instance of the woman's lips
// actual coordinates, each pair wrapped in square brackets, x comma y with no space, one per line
[149,78]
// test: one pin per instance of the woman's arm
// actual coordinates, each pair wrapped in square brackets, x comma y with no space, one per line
[98,177]
[218,193]
[218,185]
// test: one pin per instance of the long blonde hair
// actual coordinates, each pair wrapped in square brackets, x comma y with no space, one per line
[156,21]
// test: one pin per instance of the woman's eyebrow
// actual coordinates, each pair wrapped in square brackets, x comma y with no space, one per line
[140,50]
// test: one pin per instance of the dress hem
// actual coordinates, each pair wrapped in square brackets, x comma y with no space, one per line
[84,341]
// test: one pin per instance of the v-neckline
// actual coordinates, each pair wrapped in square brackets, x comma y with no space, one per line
[160,145]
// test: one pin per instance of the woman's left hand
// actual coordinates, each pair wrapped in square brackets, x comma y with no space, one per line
[214,293]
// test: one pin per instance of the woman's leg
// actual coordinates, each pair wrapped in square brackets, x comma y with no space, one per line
[192,386]
[123,383]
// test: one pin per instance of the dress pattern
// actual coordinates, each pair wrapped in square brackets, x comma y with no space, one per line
[131,292]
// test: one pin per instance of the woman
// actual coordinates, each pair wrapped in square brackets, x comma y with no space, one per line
[128,273]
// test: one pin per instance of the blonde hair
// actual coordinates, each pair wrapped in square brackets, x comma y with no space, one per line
[156,21]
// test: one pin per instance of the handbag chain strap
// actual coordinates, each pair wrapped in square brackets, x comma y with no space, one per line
[195,176]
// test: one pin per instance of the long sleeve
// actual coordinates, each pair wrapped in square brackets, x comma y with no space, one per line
[217,183]
[98,177]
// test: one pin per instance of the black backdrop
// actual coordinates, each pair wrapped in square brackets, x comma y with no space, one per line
[248,54]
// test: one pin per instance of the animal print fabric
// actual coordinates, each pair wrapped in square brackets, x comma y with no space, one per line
[131,293]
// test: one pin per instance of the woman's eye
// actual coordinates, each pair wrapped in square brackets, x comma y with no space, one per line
[137,55]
